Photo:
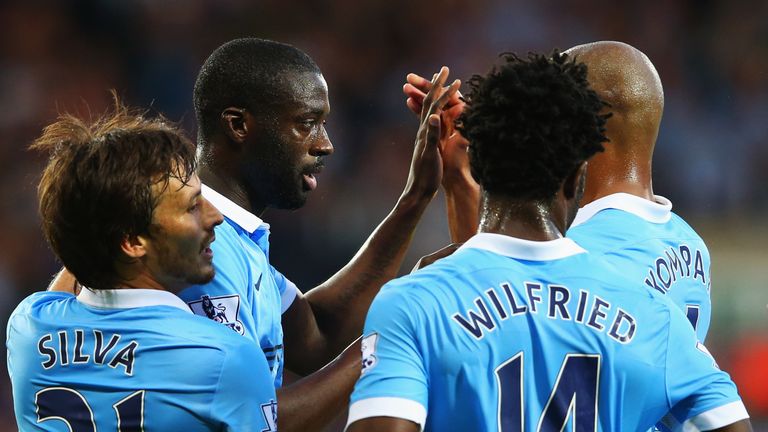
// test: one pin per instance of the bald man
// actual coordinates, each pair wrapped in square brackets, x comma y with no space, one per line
[621,220]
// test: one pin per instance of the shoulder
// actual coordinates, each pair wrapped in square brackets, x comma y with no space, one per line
[39,301]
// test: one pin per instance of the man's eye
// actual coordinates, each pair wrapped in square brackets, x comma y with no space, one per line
[194,207]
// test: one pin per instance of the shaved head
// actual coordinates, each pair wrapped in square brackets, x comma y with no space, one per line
[626,79]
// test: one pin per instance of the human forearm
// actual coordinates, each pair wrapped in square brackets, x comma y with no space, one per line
[462,201]
[328,317]
[314,401]
[341,303]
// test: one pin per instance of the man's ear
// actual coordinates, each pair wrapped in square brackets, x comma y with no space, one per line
[234,125]
[134,246]
[573,185]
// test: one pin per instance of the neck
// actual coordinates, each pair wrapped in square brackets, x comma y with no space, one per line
[222,181]
[524,220]
[612,186]
[610,173]
[142,281]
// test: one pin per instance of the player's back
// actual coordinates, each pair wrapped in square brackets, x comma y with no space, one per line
[488,341]
[154,367]
[652,246]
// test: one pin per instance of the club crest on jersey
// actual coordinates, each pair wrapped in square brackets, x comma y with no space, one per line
[368,347]
[224,309]
[269,411]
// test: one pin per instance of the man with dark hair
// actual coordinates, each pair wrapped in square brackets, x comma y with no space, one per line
[521,328]
[261,107]
[621,220]
[121,207]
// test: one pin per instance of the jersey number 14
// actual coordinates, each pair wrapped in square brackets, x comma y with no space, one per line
[578,375]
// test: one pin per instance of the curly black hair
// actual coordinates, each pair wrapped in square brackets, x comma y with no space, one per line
[530,123]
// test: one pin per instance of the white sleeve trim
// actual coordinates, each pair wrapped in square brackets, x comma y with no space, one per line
[288,296]
[717,417]
[388,407]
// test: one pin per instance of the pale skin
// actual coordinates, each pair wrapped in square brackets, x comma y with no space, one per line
[187,220]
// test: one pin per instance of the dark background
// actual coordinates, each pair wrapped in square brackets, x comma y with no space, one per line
[711,158]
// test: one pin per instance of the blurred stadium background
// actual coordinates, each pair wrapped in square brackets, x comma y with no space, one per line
[711,158]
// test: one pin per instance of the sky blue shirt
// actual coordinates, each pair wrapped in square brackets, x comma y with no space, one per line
[129,359]
[651,245]
[505,333]
[247,294]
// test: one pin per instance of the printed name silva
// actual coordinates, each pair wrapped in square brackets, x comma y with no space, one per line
[554,301]
[100,353]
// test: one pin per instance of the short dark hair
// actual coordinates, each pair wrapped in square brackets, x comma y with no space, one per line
[247,73]
[97,186]
[531,122]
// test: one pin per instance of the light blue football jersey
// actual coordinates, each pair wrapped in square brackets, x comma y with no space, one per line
[131,360]
[514,335]
[651,245]
[247,294]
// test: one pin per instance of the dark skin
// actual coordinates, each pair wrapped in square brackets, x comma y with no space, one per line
[324,321]
[529,220]
[623,77]
[321,323]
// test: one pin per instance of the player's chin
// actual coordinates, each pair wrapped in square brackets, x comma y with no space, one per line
[205,274]
[293,201]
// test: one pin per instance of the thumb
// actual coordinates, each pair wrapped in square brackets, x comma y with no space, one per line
[433,131]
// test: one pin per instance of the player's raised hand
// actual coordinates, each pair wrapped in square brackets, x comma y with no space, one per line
[461,191]
[427,166]
[453,146]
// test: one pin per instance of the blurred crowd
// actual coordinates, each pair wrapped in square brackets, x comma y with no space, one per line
[56,56]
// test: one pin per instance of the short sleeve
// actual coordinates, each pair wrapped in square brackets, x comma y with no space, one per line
[699,392]
[245,397]
[288,290]
[393,382]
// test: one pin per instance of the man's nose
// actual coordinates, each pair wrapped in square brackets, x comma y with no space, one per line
[322,145]
[213,214]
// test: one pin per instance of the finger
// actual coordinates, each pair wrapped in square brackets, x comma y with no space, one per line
[413,106]
[413,92]
[419,82]
[448,94]
[453,112]
[436,105]
[437,87]
[433,132]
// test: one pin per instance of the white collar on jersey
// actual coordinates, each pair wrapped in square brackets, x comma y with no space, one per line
[524,249]
[245,219]
[656,212]
[129,298]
